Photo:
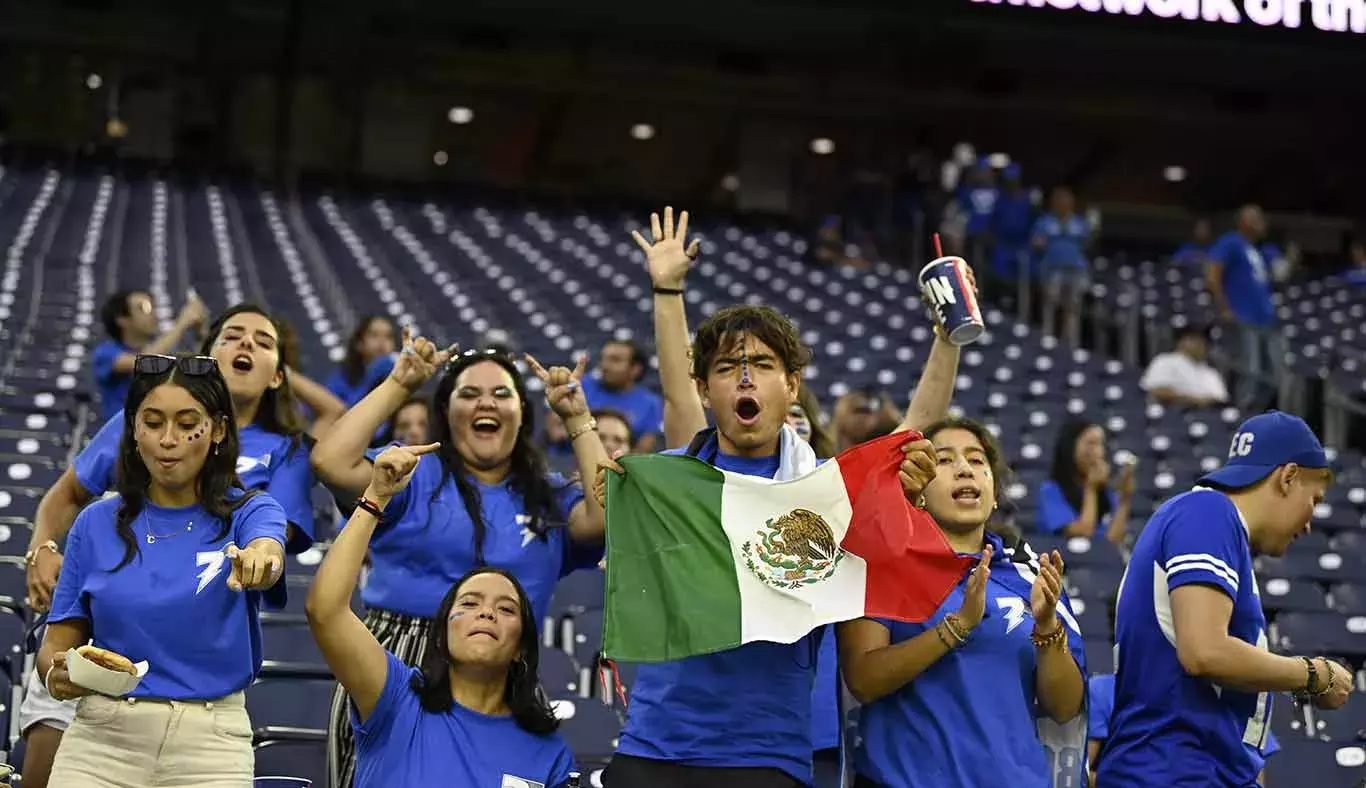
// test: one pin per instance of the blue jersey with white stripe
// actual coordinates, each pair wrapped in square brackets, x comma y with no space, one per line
[1169,728]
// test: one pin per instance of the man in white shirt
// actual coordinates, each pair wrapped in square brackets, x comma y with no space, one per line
[1184,377]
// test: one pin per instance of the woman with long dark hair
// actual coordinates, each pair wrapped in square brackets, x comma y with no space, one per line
[484,499]
[469,713]
[368,361]
[1078,499]
[411,423]
[976,696]
[157,573]
[270,454]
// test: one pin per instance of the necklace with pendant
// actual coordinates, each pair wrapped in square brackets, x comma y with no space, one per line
[152,538]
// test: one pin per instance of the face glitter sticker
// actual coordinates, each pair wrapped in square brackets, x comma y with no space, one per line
[198,433]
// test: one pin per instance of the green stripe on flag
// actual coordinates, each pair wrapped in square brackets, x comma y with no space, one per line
[671,585]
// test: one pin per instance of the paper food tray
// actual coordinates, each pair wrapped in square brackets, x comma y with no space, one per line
[100,679]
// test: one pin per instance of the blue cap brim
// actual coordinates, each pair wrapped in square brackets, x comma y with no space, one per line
[1237,475]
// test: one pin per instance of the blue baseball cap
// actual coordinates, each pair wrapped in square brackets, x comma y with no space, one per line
[1264,443]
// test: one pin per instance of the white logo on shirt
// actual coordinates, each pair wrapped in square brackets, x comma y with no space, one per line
[245,464]
[1014,608]
[212,561]
[510,781]
[528,535]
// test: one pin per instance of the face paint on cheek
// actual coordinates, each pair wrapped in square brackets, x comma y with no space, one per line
[197,434]
[455,614]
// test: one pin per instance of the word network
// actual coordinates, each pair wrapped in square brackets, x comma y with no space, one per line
[1338,16]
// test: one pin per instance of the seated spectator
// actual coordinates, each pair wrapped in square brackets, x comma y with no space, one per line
[1061,236]
[616,384]
[1078,499]
[1192,254]
[1184,376]
[369,359]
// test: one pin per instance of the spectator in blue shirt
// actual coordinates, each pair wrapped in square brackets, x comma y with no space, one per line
[410,423]
[1239,281]
[131,323]
[1062,236]
[616,385]
[369,358]
[484,498]
[977,198]
[1192,253]
[1011,224]
[469,712]
[168,571]
[1078,499]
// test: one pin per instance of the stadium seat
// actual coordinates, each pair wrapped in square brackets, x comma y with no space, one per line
[1321,633]
[1300,596]
[583,637]
[1349,599]
[1094,619]
[578,592]
[1347,724]
[560,677]
[589,727]
[1098,553]
[287,638]
[301,758]
[1100,656]
[1095,585]
[291,703]
[1308,762]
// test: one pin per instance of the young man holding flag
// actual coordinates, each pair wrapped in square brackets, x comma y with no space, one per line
[730,626]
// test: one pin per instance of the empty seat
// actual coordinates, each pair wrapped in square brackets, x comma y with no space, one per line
[1321,764]
[1347,724]
[1079,551]
[577,592]
[1321,633]
[1094,619]
[1280,594]
[560,677]
[588,727]
[1094,584]
[583,637]
[1349,599]
[1100,656]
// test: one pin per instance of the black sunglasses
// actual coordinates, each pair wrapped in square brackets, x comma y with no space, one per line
[488,352]
[155,364]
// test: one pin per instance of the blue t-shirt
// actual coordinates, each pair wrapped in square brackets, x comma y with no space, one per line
[1100,704]
[970,719]
[266,461]
[1055,513]
[171,606]
[825,709]
[979,204]
[1190,254]
[1247,282]
[1169,728]
[424,545]
[375,373]
[113,387]
[1064,242]
[643,407]
[404,746]
[747,707]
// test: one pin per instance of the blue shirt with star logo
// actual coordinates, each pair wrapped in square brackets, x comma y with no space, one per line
[171,606]
[426,542]
[267,461]
[934,731]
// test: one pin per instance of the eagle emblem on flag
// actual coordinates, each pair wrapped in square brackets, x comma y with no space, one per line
[793,551]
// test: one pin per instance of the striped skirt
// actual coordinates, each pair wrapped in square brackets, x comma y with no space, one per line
[406,637]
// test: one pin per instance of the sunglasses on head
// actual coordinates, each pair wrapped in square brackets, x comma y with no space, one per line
[487,352]
[155,364]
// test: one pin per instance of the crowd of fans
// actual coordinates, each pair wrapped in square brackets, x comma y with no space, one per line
[464,498]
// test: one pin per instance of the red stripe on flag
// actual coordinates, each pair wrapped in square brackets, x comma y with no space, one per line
[964,286]
[911,567]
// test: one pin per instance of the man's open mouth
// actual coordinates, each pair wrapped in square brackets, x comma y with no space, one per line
[747,410]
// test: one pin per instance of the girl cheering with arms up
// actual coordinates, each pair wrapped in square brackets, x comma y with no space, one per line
[470,714]
[484,498]
[157,572]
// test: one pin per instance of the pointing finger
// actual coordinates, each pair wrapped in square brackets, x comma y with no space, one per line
[426,448]
[537,368]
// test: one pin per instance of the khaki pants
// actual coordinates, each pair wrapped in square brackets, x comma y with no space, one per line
[143,743]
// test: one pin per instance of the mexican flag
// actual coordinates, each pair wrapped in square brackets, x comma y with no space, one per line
[703,560]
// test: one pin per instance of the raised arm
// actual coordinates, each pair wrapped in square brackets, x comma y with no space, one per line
[934,391]
[669,256]
[339,457]
[326,407]
[564,394]
[874,667]
[350,650]
[191,317]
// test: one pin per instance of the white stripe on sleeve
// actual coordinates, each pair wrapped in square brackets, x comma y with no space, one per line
[1205,561]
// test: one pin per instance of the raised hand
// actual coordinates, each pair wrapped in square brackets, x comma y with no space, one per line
[1045,593]
[59,684]
[975,597]
[669,255]
[918,469]
[394,469]
[1125,484]
[418,361]
[939,331]
[253,568]
[563,389]
[599,487]
[1098,475]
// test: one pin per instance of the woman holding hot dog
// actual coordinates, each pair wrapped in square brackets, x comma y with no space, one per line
[170,570]
[484,498]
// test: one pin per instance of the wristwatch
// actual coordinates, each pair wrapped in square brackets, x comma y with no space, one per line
[32,555]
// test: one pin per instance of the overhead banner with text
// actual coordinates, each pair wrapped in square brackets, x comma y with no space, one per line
[1333,16]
